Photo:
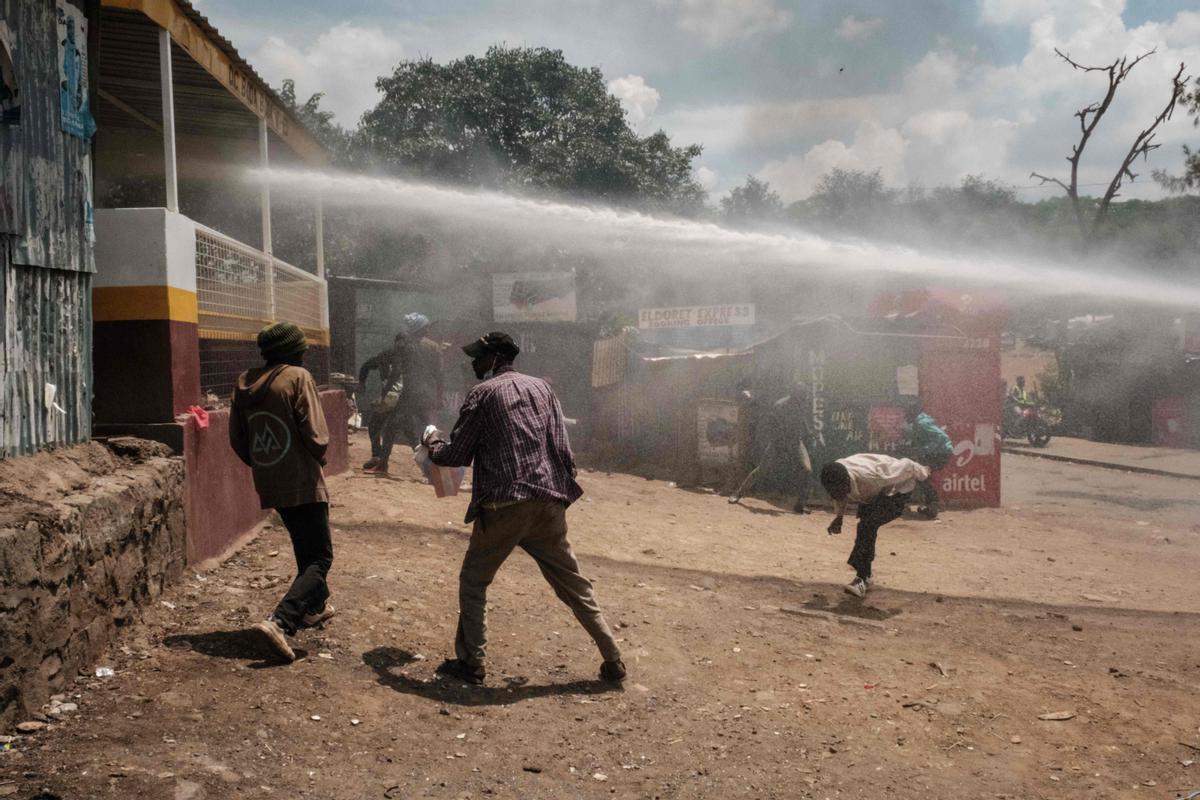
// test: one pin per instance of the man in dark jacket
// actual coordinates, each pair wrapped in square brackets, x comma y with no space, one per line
[511,430]
[382,413]
[277,428]
[422,394]
[410,372]
[786,453]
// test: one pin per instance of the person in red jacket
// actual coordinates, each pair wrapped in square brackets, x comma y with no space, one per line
[277,428]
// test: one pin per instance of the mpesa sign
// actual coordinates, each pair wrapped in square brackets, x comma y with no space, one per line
[696,316]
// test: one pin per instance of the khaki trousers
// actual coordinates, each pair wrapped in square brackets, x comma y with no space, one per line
[540,529]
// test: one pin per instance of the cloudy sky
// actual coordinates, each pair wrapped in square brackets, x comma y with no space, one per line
[926,91]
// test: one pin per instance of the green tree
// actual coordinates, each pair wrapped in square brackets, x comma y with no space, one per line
[751,204]
[848,198]
[523,118]
[319,123]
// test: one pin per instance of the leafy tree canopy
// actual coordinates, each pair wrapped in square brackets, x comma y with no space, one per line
[520,118]
[753,203]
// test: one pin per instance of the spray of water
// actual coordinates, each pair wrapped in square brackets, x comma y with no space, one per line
[618,232]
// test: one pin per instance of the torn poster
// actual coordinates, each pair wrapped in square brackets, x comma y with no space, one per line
[73,71]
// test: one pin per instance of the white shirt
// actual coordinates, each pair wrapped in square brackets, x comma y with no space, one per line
[872,474]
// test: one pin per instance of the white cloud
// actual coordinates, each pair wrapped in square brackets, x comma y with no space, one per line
[856,29]
[953,114]
[1026,12]
[719,128]
[707,178]
[342,62]
[873,148]
[637,98]
[721,22]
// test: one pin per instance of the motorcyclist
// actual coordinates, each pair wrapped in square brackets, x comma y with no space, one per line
[1015,402]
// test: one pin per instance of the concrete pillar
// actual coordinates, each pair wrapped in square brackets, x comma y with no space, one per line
[168,113]
[145,310]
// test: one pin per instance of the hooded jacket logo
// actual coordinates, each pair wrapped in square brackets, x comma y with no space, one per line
[270,439]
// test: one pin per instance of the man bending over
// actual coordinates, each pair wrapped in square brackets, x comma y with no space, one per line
[881,485]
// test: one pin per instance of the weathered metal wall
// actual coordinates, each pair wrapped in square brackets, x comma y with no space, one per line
[46,256]
[47,336]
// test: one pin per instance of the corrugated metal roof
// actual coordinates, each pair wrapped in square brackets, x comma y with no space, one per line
[205,98]
[129,77]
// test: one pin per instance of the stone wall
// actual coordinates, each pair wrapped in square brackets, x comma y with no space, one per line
[88,535]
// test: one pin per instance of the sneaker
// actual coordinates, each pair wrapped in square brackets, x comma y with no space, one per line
[612,671]
[371,463]
[857,587]
[733,498]
[275,638]
[461,670]
[929,512]
[378,469]
[318,617]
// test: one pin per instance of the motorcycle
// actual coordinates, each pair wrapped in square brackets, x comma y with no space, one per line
[1026,422]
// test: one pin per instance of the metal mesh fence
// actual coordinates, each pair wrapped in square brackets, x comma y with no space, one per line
[232,286]
[239,290]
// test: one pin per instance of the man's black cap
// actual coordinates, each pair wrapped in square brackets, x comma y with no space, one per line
[495,342]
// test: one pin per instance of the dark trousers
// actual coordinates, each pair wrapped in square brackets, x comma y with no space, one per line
[308,525]
[379,429]
[540,529]
[403,423]
[871,517]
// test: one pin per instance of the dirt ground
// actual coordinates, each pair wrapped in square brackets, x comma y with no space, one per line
[1078,597]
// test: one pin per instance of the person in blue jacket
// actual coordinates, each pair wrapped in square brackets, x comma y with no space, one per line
[930,446]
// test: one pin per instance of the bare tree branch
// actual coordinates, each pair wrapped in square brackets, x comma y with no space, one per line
[1089,118]
[1142,145]
[1046,179]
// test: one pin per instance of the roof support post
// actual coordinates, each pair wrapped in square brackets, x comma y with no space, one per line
[264,162]
[320,226]
[167,81]
[265,203]
[320,230]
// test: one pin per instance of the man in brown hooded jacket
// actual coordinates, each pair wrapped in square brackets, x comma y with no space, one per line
[277,427]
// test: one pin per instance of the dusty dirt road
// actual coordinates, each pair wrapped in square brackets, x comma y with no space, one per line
[1078,597]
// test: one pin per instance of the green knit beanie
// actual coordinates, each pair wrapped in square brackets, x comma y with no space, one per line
[281,340]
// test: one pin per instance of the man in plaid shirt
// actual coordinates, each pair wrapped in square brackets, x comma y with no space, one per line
[510,428]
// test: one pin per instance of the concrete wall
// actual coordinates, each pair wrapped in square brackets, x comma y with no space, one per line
[82,548]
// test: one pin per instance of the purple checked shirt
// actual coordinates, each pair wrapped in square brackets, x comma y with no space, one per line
[510,429]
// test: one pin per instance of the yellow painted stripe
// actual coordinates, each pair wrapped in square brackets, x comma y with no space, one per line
[118,303]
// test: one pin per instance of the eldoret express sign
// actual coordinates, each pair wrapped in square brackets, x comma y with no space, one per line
[696,316]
